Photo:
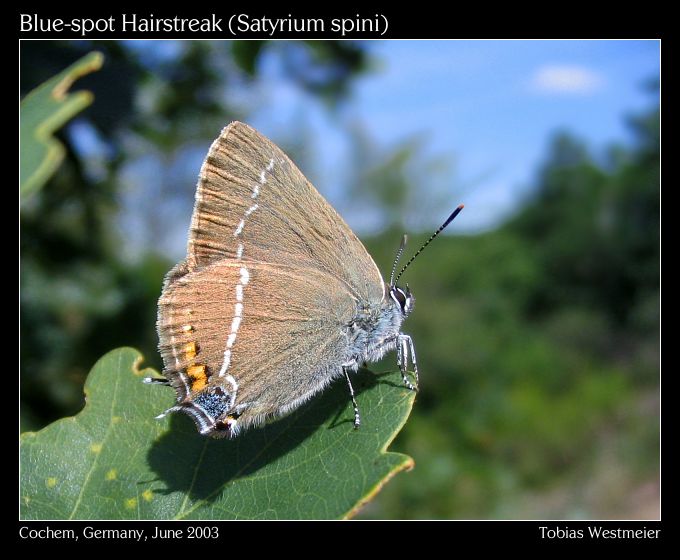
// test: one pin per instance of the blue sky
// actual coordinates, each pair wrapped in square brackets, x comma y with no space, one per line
[488,106]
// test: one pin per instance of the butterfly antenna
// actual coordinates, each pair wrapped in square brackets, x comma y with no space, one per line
[396,259]
[435,234]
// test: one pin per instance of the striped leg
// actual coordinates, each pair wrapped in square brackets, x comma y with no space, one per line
[156,381]
[404,346]
[357,417]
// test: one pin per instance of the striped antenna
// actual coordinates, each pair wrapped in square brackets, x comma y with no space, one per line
[435,234]
[396,259]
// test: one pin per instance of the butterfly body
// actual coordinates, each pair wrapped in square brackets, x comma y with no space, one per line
[375,331]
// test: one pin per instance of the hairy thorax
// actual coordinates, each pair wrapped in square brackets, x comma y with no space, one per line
[373,332]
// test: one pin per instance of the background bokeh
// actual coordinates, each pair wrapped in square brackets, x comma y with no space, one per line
[537,316]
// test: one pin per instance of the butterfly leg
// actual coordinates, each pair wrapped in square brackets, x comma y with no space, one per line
[156,380]
[402,361]
[357,417]
[404,346]
[413,359]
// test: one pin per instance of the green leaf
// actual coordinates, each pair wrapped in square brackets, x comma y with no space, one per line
[113,460]
[43,111]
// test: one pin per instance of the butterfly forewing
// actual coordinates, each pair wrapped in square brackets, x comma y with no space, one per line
[253,202]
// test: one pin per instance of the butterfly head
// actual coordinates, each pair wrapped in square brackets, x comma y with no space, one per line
[403,298]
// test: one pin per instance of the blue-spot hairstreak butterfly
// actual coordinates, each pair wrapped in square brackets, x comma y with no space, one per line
[276,298]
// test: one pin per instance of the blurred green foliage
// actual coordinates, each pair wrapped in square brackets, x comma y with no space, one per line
[538,342]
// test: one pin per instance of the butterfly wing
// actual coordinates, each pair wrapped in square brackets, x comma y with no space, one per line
[269,335]
[259,314]
[252,202]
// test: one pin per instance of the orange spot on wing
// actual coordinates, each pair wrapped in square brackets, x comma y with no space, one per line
[196,371]
[190,350]
[198,376]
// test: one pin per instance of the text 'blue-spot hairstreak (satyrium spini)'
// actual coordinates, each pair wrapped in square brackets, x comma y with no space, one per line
[276,298]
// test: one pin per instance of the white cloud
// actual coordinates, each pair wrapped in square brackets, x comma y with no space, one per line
[566,79]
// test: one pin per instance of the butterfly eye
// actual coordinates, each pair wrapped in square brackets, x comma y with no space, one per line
[400,297]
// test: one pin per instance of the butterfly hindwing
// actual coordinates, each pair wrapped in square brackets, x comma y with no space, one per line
[281,334]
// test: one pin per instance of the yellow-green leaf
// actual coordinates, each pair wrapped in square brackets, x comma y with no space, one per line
[113,460]
[43,111]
